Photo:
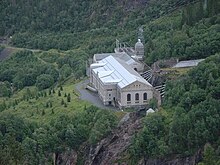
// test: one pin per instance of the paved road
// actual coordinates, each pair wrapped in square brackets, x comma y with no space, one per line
[91,96]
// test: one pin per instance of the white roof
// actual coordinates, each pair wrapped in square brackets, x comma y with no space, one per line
[122,55]
[150,110]
[117,71]
[189,63]
[104,73]
[95,65]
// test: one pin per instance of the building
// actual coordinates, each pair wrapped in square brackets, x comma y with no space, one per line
[188,63]
[115,77]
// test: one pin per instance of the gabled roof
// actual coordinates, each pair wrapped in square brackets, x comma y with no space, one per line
[117,71]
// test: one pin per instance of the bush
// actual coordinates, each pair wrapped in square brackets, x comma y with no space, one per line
[44,81]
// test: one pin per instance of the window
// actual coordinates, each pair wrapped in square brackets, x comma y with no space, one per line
[129,97]
[136,96]
[145,96]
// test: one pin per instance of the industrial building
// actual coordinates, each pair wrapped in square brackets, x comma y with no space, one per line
[116,78]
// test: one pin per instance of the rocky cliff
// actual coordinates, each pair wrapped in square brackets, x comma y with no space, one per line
[111,149]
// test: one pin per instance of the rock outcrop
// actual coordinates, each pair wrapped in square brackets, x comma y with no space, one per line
[109,150]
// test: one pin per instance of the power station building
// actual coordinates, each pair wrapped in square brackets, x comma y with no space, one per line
[115,77]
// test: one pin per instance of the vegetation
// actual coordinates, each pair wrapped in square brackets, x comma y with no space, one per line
[42,69]
[34,125]
[40,113]
[1,48]
[185,32]
[190,118]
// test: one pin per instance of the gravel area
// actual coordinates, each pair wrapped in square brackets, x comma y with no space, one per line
[91,96]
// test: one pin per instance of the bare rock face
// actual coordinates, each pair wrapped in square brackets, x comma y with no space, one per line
[110,148]
[67,158]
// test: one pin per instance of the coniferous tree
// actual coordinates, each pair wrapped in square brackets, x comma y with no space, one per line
[51,104]
[68,97]
[47,104]
[62,102]
[43,112]
[59,93]
[61,88]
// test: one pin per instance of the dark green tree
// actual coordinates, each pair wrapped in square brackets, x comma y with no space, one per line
[44,81]
[68,97]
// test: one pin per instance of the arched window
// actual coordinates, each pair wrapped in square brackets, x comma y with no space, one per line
[136,96]
[129,97]
[145,96]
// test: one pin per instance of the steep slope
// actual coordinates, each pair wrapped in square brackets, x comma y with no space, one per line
[182,29]
[184,131]
[71,15]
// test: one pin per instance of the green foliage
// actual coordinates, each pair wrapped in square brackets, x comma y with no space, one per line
[150,141]
[62,102]
[24,68]
[189,32]
[59,93]
[44,81]
[172,39]
[192,104]
[5,89]
[77,16]
[195,120]
[22,141]
[68,97]
[209,155]
[104,121]
[13,131]
[1,48]
[153,103]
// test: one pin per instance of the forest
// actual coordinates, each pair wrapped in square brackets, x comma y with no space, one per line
[41,115]
[190,118]
[173,28]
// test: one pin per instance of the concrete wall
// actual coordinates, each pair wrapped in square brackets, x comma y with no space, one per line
[139,66]
[111,93]
[132,89]
[108,93]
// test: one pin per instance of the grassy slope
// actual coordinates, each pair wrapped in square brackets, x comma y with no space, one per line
[32,109]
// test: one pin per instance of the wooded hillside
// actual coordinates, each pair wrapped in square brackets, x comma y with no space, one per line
[41,115]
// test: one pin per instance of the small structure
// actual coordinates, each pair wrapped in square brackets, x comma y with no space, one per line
[186,64]
[139,51]
[150,110]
